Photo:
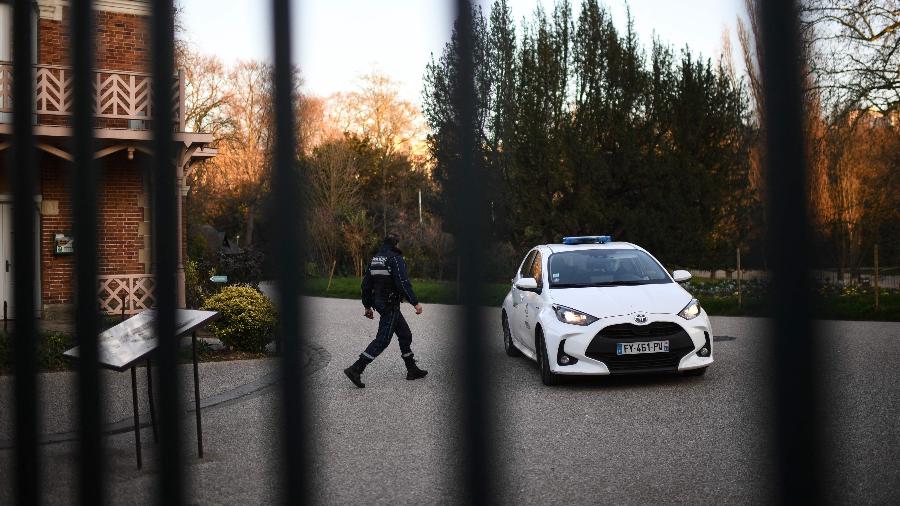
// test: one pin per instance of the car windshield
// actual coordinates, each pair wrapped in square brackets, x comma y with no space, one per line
[604,267]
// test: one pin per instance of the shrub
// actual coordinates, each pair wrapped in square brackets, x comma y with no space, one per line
[195,281]
[248,318]
[49,351]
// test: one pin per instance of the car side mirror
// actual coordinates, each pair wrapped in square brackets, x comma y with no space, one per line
[680,276]
[527,284]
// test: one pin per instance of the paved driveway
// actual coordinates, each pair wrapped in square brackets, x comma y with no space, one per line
[630,440]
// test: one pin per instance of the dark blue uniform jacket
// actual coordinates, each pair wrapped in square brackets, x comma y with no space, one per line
[387,280]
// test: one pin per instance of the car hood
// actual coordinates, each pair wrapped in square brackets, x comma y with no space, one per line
[607,301]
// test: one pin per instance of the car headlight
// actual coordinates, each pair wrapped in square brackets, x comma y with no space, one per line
[573,316]
[691,311]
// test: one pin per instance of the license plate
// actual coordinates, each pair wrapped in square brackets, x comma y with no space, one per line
[644,347]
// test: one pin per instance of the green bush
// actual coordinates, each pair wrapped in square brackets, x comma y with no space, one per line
[248,318]
[49,351]
[194,281]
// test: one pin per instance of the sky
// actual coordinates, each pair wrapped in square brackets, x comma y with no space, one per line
[336,41]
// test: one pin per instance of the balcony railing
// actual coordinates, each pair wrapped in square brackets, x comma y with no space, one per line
[122,99]
[126,293]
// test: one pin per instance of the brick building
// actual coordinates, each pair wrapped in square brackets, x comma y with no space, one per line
[123,118]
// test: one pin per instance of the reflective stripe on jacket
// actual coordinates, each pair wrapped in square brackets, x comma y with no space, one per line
[387,279]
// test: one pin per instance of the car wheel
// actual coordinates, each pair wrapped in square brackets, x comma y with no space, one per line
[508,345]
[548,377]
[695,372]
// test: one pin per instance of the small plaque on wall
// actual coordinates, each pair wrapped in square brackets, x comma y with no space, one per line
[63,245]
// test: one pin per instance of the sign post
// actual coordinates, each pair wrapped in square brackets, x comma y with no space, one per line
[739,275]
[876,277]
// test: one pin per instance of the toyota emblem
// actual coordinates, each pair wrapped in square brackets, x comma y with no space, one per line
[640,318]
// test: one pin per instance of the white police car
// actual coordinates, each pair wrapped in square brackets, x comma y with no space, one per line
[593,306]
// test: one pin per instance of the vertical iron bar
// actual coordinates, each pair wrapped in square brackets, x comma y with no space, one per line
[164,233]
[794,350]
[23,182]
[465,187]
[197,395]
[137,418]
[84,189]
[150,401]
[289,220]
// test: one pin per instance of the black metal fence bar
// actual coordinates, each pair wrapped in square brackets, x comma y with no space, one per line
[793,346]
[23,170]
[467,193]
[165,226]
[84,188]
[289,219]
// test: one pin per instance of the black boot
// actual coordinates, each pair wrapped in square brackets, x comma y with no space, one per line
[354,372]
[412,370]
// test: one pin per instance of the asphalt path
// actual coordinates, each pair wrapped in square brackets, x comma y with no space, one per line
[632,440]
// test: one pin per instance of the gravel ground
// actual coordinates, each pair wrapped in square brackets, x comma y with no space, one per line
[660,439]
[58,391]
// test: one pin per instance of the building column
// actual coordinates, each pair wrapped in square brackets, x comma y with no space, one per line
[180,298]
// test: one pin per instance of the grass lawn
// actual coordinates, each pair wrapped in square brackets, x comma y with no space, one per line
[846,307]
[428,291]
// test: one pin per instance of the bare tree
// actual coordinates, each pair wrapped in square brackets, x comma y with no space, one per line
[863,152]
[851,61]
[239,177]
[207,92]
[376,112]
[750,40]
[357,233]
[856,45]
[334,192]
[312,127]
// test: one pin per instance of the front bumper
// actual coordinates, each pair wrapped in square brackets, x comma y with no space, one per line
[595,348]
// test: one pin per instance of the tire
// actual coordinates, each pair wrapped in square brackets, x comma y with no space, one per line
[548,377]
[508,345]
[695,372]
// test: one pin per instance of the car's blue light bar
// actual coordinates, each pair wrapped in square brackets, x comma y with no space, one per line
[587,239]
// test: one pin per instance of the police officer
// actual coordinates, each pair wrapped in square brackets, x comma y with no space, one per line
[385,285]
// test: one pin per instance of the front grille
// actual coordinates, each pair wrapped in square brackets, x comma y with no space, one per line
[637,363]
[603,347]
[654,329]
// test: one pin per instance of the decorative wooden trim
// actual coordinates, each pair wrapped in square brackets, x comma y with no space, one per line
[134,7]
[117,134]
[137,290]
[52,9]
[110,150]
[118,94]
[53,150]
